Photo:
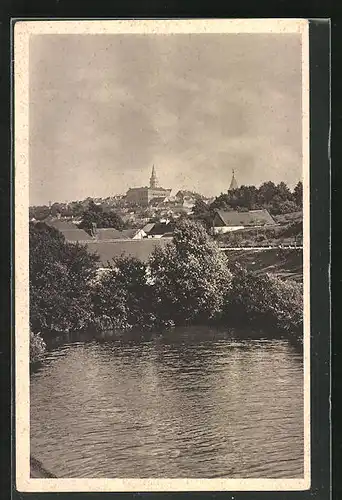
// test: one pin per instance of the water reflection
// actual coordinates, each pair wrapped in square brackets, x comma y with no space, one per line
[190,403]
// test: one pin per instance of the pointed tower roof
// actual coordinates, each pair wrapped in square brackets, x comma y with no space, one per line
[153,179]
[233,184]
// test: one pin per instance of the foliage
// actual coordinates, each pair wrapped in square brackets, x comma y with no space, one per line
[39,213]
[122,296]
[266,301]
[95,215]
[203,213]
[37,347]
[59,281]
[190,276]
[277,199]
[298,194]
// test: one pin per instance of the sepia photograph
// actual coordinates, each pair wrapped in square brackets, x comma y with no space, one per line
[162,293]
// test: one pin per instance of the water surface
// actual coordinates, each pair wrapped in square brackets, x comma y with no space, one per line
[195,404]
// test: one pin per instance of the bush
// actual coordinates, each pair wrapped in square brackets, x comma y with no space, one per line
[190,276]
[122,296]
[37,347]
[60,273]
[265,301]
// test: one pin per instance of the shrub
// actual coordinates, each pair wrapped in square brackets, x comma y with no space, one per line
[265,301]
[122,297]
[190,276]
[60,273]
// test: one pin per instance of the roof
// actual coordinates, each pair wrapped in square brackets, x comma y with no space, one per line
[60,224]
[233,184]
[147,228]
[161,228]
[157,199]
[109,234]
[75,234]
[129,233]
[140,249]
[251,218]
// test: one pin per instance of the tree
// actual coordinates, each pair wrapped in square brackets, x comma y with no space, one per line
[267,192]
[190,276]
[95,215]
[122,296]
[283,192]
[265,301]
[60,273]
[203,213]
[298,194]
[40,212]
[286,207]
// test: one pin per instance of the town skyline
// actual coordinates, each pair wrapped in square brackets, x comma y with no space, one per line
[106,108]
[172,194]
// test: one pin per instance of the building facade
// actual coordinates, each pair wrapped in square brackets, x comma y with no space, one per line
[143,196]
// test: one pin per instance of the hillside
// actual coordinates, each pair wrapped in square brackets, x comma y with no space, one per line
[285,263]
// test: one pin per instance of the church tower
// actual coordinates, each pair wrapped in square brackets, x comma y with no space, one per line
[233,184]
[153,179]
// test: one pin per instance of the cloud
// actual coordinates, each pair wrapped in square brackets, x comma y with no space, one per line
[103,109]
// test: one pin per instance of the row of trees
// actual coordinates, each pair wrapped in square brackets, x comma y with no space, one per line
[276,198]
[102,219]
[189,281]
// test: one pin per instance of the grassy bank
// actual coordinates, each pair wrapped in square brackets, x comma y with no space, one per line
[283,263]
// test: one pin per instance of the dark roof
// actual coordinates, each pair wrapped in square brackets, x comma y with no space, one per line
[75,234]
[161,228]
[60,224]
[109,233]
[140,249]
[251,218]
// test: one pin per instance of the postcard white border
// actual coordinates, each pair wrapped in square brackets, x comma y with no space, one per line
[22,32]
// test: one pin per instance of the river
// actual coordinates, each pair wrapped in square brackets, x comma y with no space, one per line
[193,403]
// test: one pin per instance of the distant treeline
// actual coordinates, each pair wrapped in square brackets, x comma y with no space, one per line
[277,199]
[187,282]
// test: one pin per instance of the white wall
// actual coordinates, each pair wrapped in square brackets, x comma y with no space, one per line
[225,229]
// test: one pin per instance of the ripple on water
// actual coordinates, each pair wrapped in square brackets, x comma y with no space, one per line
[170,408]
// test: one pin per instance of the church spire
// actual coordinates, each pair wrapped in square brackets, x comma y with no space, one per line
[233,184]
[153,179]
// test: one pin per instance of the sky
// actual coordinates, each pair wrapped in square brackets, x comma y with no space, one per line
[104,108]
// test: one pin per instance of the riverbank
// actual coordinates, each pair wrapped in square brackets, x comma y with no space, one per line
[38,471]
[189,282]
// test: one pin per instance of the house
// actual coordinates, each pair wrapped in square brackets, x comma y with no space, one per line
[147,228]
[226,221]
[75,235]
[70,231]
[160,229]
[134,234]
[142,196]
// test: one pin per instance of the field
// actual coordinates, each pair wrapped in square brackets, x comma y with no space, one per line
[284,263]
